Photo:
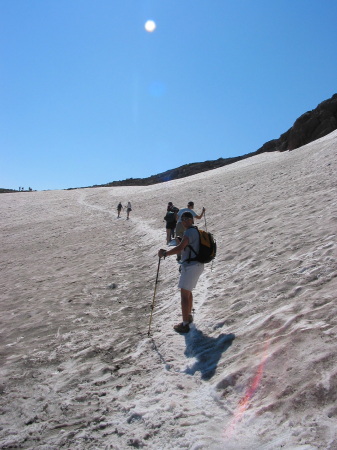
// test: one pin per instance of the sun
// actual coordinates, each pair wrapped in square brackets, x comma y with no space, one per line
[150,26]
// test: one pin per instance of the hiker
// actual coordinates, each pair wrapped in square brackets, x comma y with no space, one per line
[128,210]
[179,226]
[170,221]
[119,209]
[190,270]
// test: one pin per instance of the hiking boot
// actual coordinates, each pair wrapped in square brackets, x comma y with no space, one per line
[190,318]
[181,328]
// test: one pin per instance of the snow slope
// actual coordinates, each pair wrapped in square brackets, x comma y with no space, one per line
[258,369]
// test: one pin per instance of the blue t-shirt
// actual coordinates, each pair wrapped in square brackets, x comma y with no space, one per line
[193,240]
[181,212]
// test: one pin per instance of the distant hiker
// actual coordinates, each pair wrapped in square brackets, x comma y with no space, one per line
[190,270]
[119,209]
[170,221]
[190,205]
[128,210]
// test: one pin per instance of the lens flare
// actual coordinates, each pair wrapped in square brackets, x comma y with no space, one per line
[250,392]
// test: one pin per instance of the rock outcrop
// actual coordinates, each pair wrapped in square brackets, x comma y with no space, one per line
[309,127]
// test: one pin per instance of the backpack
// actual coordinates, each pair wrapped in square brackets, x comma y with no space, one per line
[207,247]
[170,217]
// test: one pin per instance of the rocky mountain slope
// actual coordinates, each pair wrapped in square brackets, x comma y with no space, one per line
[307,128]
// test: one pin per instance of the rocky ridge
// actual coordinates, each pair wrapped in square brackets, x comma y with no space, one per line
[309,127]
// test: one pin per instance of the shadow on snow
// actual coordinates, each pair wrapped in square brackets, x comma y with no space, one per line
[206,350]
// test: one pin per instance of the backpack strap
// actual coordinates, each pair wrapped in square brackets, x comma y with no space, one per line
[191,248]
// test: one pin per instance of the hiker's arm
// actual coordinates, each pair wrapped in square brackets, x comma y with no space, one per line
[202,213]
[175,250]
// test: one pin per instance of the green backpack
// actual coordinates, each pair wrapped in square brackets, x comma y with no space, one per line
[170,217]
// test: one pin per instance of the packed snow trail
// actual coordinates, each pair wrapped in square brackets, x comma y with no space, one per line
[77,367]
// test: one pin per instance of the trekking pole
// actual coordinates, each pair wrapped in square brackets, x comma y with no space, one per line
[154,296]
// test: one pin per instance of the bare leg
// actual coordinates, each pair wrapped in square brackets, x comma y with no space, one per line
[168,235]
[186,303]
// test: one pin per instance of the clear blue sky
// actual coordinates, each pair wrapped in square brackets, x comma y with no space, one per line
[88,96]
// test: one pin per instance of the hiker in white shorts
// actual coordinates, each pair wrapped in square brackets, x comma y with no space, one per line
[190,269]
[128,210]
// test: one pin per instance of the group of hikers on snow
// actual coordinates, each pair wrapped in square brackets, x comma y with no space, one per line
[180,224]
[128,210]
[173,220]
[193,248]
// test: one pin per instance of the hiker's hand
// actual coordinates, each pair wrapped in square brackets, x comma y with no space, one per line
[162,253]
[203,209]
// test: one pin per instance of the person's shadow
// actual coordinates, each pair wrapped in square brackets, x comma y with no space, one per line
[206,350]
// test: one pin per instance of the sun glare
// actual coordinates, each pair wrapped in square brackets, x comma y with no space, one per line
[150,26]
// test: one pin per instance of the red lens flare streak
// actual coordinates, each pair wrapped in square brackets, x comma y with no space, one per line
[246,400]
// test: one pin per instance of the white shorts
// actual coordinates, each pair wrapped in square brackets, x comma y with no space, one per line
[189,276]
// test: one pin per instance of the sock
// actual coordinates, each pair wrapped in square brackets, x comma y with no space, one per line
[185,323]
